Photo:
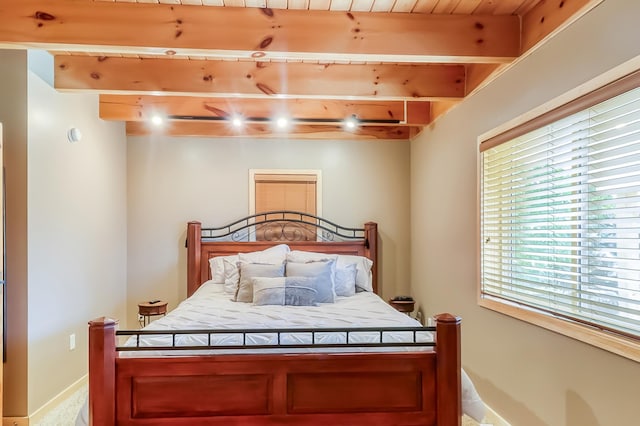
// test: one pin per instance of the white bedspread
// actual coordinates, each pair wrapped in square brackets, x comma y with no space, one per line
[211,308]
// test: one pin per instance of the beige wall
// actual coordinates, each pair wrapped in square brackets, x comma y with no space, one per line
[77,229]
[529,375]
[66,229]
[13,115]
[174,180]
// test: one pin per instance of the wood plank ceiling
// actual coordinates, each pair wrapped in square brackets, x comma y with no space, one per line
[392,65]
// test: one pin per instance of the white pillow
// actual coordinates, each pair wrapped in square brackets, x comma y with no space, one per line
[249,271]
[299,256]
[364,277]
[231,276]
[231,273]
[216,264]
[345,280]
[278,252]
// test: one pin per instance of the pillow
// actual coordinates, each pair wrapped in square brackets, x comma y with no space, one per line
[231,276]
[276,252]
[296,291]
[364,277]
[322,270]
[299,256]
[216,264]
[345,280]
[253,270]
[272,255]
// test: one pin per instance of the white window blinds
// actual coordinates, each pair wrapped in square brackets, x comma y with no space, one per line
[560,212]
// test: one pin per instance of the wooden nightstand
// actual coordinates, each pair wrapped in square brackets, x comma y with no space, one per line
[405,306]
[146,310]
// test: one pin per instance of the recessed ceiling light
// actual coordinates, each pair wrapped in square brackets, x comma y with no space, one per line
[237,121]
[350,123]
[157,120]
[282,122]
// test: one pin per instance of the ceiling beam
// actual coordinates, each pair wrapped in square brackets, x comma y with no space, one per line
[550,17]
[142,108]
[228,32]
[258,79]
[264,130]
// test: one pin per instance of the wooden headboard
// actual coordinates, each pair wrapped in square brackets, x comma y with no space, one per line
[257,232]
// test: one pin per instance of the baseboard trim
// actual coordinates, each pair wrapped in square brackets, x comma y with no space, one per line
[15,421]
[493,418]
[39,414]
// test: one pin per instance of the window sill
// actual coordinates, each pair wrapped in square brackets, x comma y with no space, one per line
[627,348]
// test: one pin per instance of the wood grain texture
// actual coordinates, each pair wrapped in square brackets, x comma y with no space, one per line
[224,78]
[259,130]
[246,32]
[200,251]
[284,389]
[102,365]
[139,108]
[315,51]
[547,17]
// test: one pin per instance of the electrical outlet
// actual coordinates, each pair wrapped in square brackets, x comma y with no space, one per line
[72,341]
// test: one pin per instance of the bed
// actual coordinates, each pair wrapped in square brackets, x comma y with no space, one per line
[310,370]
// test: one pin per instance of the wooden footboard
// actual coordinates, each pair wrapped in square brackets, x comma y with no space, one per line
[399,388]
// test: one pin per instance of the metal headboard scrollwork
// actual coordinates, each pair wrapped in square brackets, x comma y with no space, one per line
[283,225]
[257,232]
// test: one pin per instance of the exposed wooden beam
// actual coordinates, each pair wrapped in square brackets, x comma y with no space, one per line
[141,108]
[252,32]
[441,108]
[217,129]
[551,16]
[479,75]
[267,79]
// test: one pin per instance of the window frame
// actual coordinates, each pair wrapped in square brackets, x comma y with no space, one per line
[565,106]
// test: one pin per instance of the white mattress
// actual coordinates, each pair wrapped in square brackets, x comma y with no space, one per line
[211,308]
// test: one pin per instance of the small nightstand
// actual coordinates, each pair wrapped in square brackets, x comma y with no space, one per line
[146,310]
[405,306]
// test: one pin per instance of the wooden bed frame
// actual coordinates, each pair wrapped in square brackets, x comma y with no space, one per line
[364,388]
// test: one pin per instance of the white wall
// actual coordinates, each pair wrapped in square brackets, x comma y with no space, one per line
[174,180]
[529,375]
[76,229]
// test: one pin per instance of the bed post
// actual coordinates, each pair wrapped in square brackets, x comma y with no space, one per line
[194,269]
[102,372]
[371,250]
[449,376]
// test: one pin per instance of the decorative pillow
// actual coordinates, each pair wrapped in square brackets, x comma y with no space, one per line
[296,291]
[364,277]
[345,280]
[272,255]
[253,270]
[322,270]
[216,264]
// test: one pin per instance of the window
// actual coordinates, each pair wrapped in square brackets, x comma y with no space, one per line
[560,219]
[296,190]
